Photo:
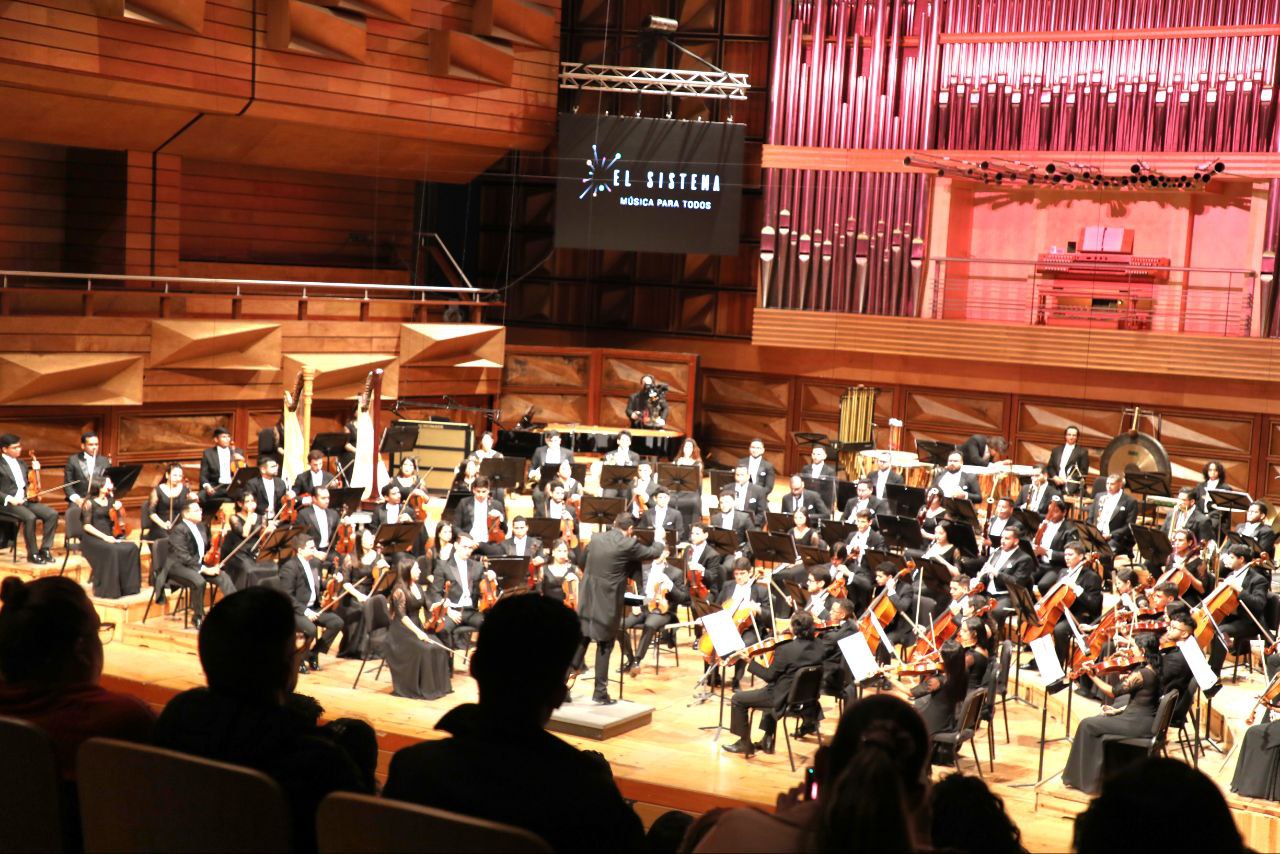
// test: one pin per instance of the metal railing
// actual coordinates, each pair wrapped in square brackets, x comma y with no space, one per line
[1212,301]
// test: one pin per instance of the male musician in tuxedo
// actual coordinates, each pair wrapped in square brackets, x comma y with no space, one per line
[864,499]
[980,450]
[1088,604]
[815,583]
[474,513]
[84,470]
[788,660]
[818,465]
[759,470]
[731,519]
[664,589]
[622,455]
[996,523]
[271,443]
[836,675]
[612,556]
[748,497]
[1252,586]
[863,539]
[1175,672]
[549,452]
[1035,496]
[188,542]
[217,470]
[1255,526]
[702,557]
[662,515]
[300,580]
[884,475]
[645,485]
[1050,542]
[744,593]
[320,519]
[462,573]
[799,498]
[1187,514]
[392,509]
[14,474]
[314,478]
[1007,563]
[555,505]
[269,488]
[1113,512]
[955,483]
[520,544]
[1069,462]
[905,594]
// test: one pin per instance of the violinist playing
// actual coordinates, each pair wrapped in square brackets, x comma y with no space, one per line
[1186,555]
[815,584]
[1142,685]
[1049,543]
[1079,573]
[662,515]
[663,590]
[975,638]
[836,676]
[314,477]
[243,567]
[557,571]
[115,567]
[480,516]
[789,658]
[408,481]
[15,474]
[938,694]
[1251,583]
[862,539]
[1007,563]
[301,582]
[744,593]
[188,543]
[520,544]
[701,558]
[621,455]
[462,573]
[321,522]
[392,510]
[419,668]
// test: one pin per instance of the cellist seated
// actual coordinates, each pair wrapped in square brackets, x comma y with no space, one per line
[1088,604]
[664,589]
[750,598]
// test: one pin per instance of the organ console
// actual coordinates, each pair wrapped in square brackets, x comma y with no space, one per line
[1103,285]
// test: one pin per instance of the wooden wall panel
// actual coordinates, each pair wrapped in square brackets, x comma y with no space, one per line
[624,374]
[53,437]
[947,411]
[548,408]
[168,434]
[732,391]
[542,370]
[33,188]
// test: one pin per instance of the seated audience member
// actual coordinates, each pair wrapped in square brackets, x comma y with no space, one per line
[966,816]
[1158,786]
[250,651]
[520,774]
[867,792]
[51,664]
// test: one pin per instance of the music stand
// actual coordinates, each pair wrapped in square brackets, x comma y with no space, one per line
[346,500]
[813,555]
[1092,539]
[907,500]
[1234,538]
[1025,609]
[962,537]
[779,523]
[1146,484]
[600,511]
[724,542]
[720,478]
[396,536]
[825,487]
[935,575]
[617,477]
[901,532]
[1230,501]
[934,453]
[846,491]
[544,528]
[961,510]
[512,572]
[874,557]
[799,596]
[1029,519]
[123,478]
[332,444]
[505,473]
[1153,546]
[837,532]
[451,502]
[236,488]
[278,545]
[399,438]
[644,535]
[680,478]
[771,548]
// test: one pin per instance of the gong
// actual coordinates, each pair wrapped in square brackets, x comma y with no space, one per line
[1134,451]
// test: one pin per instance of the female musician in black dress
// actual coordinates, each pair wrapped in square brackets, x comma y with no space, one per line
[407,478]
[556,571]
[930,515]
[165,504]
[802,533]
[1084,766]
[937,696]
[114,564]
[1186,554]
[442,549]
[242,566]
[419,664]
[975,640]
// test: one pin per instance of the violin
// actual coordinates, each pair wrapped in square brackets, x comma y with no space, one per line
[566,532]
[1269,698]
[436,614]
[496,532]
[214,552]
[921,667]
[1119,662]
[488,593]
[330,596]
[639,503]
[660,603]
[838,589]
[119,521]
[417,504]
[570,588]
[344,539]
[33,482]
[288,511]
[764,647]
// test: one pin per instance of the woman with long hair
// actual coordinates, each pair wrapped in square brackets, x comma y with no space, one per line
[419,664]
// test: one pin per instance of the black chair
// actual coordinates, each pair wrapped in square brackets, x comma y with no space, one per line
[72,538]
[804,690]
[1182,712]
[377,618]
[1002,687]
[989,710]
[970,711]
[1155,742]
[13,529]
[161,584]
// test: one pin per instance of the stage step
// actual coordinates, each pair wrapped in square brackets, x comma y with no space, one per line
[588,720]
[164,633]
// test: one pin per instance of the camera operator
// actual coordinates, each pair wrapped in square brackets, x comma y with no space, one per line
[648,407]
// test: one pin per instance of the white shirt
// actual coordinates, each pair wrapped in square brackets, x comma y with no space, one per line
[1105,511]
[656,581]
[858,540]
[949,483]
[311,581]
[555,510]
[998,559]
[269,490]
[740,496]
[997,527]
[195,532]
[816,469]
[1033,500]
[480,523]
[816,603]
[882,478]
[322,527]
[753,466]
[1065,462]
[17,476]
[520,544]
[317,478]
[726,521]
[464,583]
[393,512]
[695,553]
[741,596]
[87,464]
[224,464]
[1050,531]
[553,455]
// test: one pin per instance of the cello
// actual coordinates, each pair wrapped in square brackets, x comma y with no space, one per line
[1049,610]
[882,611]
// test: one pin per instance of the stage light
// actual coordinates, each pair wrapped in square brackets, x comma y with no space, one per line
[659,24]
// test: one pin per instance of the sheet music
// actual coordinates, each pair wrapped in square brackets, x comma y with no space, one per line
[724,633]
[1200,668]
[1047,659]
[857,654]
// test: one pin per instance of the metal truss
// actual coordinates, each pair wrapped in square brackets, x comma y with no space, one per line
[720,85]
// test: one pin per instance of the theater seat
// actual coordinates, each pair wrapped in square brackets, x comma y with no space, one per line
[352,824]
[30,791]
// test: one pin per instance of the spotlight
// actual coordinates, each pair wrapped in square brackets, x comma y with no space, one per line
[659,24]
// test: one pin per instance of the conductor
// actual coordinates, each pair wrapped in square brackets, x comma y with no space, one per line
[612,556]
